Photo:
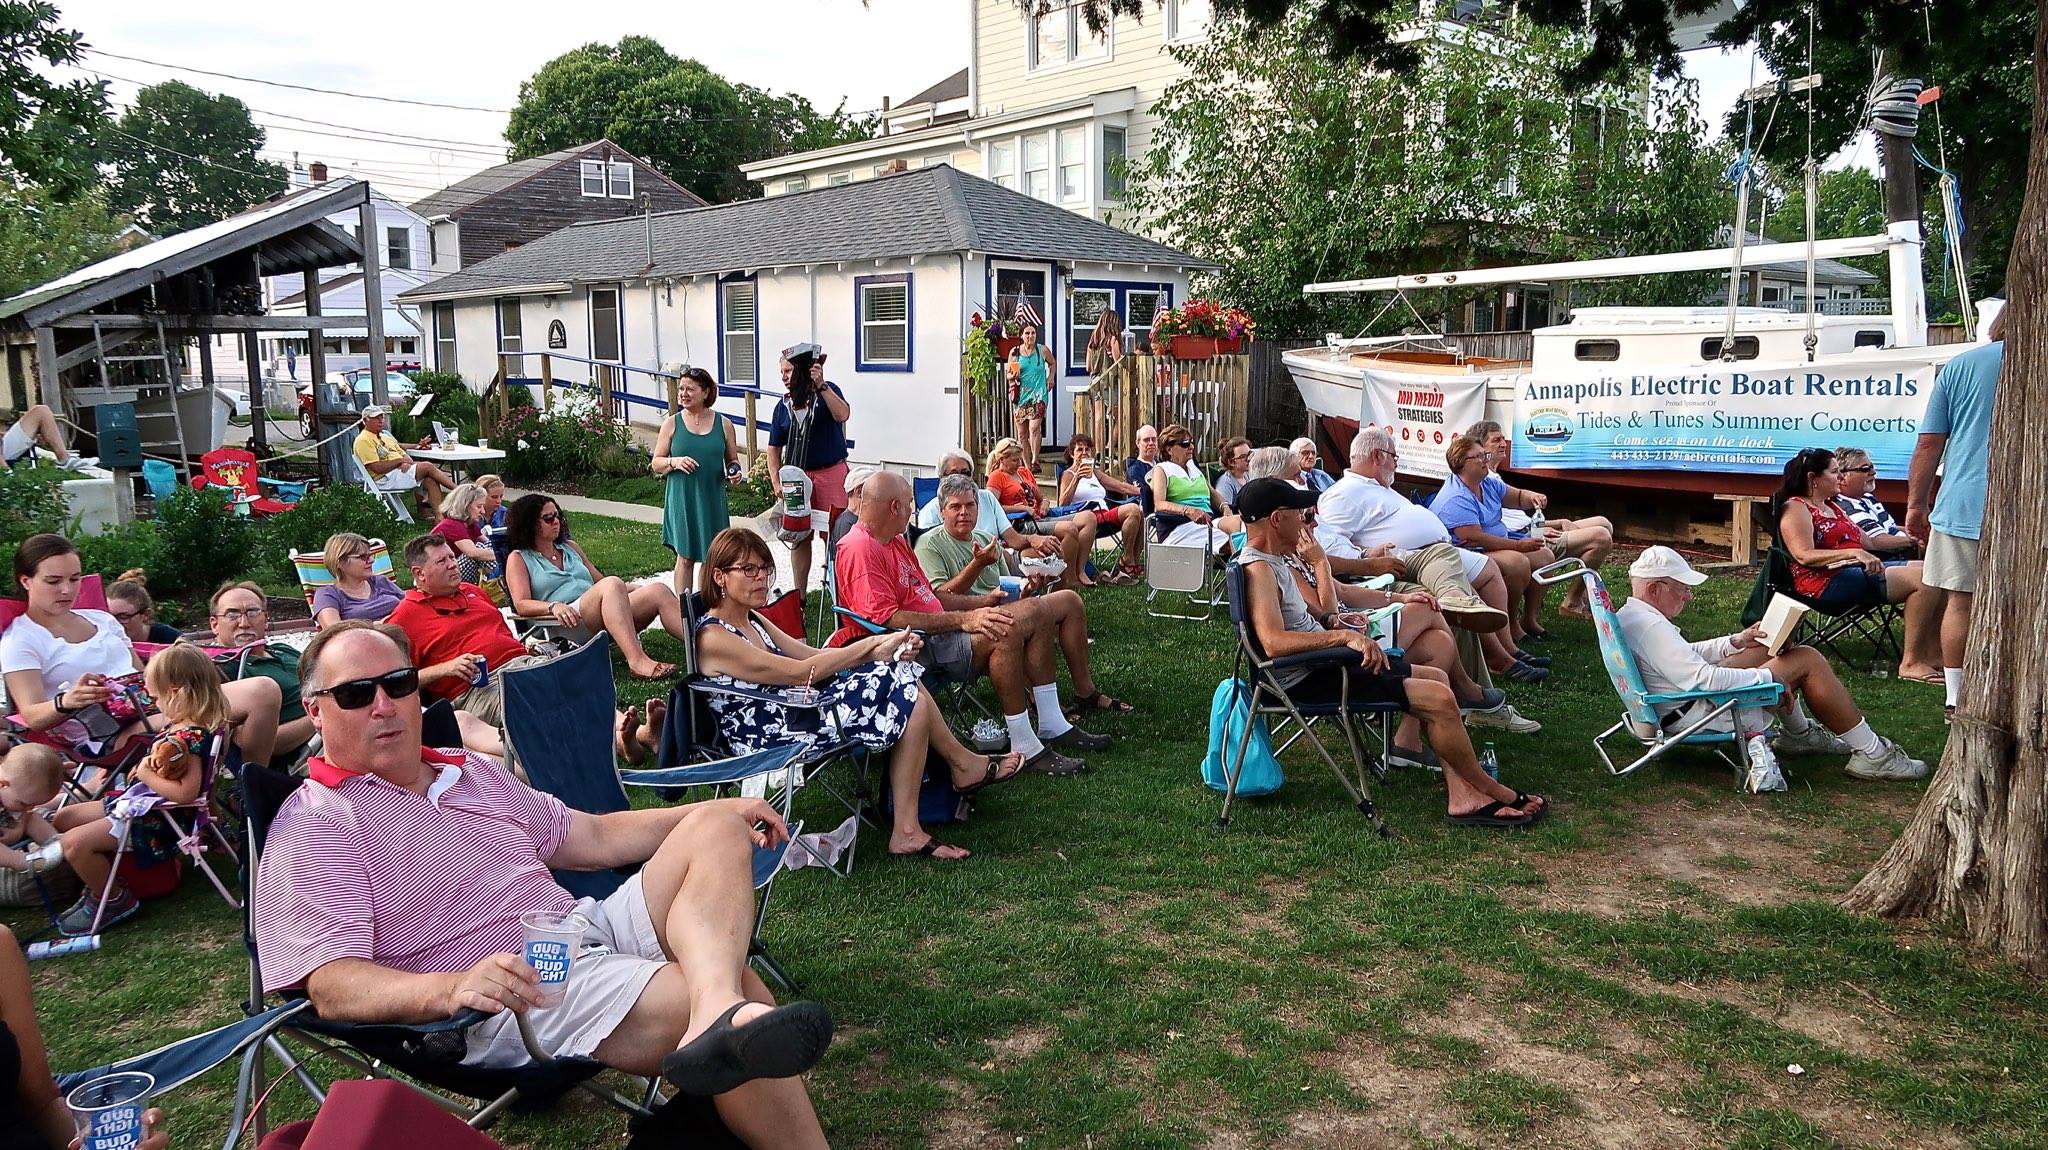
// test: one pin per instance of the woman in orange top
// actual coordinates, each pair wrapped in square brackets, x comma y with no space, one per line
[1016,489]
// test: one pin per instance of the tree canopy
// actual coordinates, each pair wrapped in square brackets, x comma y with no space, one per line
[46,127]
[43,236]
[182,158]
[1287,166]
[693,124]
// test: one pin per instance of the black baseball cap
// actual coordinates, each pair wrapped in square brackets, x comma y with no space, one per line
[1262,497]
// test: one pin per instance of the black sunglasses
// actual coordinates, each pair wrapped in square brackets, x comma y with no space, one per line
[551,517]
[356,694]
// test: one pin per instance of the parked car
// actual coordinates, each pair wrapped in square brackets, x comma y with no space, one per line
[356,386]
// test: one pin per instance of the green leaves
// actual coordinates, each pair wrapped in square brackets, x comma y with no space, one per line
[182,158]
[46,127]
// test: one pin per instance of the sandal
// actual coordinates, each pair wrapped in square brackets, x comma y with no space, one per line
[991,776]
[1119,578]
[1524,798]
[783,1043]
[1492,815]
[1100,701]
[930,850]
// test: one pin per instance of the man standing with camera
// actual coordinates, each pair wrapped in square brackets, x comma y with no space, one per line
[807,435]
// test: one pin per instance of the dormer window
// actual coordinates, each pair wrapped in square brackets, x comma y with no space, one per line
[604,179]
[1060,35]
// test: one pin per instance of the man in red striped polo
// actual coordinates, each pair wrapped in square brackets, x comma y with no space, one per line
[392,883]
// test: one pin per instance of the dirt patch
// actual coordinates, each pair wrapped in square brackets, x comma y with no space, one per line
[1019,1044]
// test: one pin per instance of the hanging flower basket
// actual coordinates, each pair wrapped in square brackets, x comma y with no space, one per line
[1007,344]
[1202,346]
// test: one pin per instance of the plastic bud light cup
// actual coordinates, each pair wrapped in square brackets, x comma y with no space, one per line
[1013,587]
[109,1109]
[552,939]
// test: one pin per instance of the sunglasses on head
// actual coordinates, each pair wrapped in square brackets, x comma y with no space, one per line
[356,694]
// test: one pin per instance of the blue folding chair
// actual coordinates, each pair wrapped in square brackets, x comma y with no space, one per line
[1686,725]
[176,1064]
[1258,672]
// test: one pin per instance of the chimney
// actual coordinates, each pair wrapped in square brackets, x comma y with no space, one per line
[318,172]
[298,177]
[885,115]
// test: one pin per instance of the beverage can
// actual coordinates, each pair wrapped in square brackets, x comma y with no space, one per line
[60,947]
[483,672]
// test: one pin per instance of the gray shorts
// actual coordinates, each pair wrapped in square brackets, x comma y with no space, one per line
[1951,563]
[949,653]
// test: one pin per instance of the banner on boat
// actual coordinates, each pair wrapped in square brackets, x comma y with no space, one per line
[1422,414]
[1720,420]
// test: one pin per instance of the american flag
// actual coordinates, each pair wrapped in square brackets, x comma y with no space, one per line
[1026,313]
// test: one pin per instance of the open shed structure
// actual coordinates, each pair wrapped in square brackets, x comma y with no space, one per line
[122,330]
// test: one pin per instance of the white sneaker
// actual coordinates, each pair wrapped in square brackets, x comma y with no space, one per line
[1814,740]
[1764,775]
[1506,718]
[78,462]
[1890,764]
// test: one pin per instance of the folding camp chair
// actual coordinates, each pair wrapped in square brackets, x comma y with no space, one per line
[558,724]
[1825,627]
[390,499]
[311,567]
[1690,725]
[1258,675]
[428,1054]
[1180,569]
[233,471]
[177,1064]
[692,734]
[197,827]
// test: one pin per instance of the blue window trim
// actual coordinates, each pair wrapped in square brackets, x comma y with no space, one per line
[719,299]
[1122,290]
[860,360]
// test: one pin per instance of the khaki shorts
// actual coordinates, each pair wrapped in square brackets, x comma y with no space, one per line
[1951,563]
[488,702]
[621,954]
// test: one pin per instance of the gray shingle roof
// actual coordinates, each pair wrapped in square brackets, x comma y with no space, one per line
[953,87]
[923,212]
[458,197]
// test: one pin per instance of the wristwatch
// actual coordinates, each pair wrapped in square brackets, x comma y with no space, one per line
[58,703]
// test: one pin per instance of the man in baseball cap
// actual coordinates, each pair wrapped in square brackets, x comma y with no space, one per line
[1274,511]
[390,468]
[1661,583]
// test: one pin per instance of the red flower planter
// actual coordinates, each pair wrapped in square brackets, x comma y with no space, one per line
[1201,346]
[1005,345]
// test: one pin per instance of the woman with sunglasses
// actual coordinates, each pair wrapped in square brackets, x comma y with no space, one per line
[1182,499]
[357,591]
[1832,567]
[869,691]
[547,576]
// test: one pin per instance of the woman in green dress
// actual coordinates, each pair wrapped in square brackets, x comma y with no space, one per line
[699,456]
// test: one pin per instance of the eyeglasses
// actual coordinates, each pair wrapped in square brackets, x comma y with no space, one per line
[1182,443]
[551,517]
[356,694]
[233,614]
[1868,467]
[124,617]
[750,570]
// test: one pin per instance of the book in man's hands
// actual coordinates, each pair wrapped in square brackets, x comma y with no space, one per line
[1780,620]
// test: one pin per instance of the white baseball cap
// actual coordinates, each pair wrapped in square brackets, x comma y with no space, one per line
[857,476]
[1664,563]
[375,411]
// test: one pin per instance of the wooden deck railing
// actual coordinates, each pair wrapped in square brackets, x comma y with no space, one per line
[1209,396]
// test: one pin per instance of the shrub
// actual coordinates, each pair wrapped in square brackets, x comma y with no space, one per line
[117,549]
[573,440]
[323,512]
[31,502]
[204,542]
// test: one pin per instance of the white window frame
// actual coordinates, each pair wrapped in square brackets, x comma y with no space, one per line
[729,352]
[1164,301]
[838,178]
[1005,172]
[618,179]
[398,248]
[1068,191]
[593,183]
[797,184]
[1045,169]
[1074,30]
[1177,23]
[1078,334]
[866,289]
[618,328]
[444,336]
[511,337]
[1115,184]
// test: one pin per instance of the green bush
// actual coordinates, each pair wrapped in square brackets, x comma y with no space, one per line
[572,441]
[323,512]
[31,503]
[454,405]
[120,549]
[204,542]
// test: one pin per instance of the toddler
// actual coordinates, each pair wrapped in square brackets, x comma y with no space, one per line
[31,775]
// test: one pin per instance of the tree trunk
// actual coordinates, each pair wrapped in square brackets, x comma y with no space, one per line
[1977,849]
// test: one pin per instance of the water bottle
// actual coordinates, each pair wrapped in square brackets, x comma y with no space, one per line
[1489,762]
[59,947]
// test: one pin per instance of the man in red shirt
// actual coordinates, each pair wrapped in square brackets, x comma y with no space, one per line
[879,579]
[457,631]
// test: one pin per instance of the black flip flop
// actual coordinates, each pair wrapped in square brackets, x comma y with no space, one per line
[1101,702]
[1522,800]
[783,1043]
[1492,815]
[988,779]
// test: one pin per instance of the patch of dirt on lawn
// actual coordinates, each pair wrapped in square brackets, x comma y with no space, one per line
[1742,852]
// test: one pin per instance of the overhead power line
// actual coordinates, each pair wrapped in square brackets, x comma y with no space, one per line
[298,87]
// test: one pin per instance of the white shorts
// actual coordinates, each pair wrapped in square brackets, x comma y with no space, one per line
[1197,535]
[1514,519]
[16,443]
[620,955]
[398,479]
[1475,564]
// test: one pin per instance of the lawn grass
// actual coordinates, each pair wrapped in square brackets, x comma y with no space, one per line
[1113,970]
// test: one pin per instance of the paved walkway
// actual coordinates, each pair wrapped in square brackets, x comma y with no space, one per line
[641,513]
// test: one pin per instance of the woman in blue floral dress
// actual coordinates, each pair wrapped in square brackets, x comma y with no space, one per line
[869,691]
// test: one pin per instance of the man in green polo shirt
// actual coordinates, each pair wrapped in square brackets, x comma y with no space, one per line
[239,617]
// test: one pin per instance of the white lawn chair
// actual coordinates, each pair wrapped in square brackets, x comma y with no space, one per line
[390,499]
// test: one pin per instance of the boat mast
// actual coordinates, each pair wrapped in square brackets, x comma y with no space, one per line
[1893,109]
